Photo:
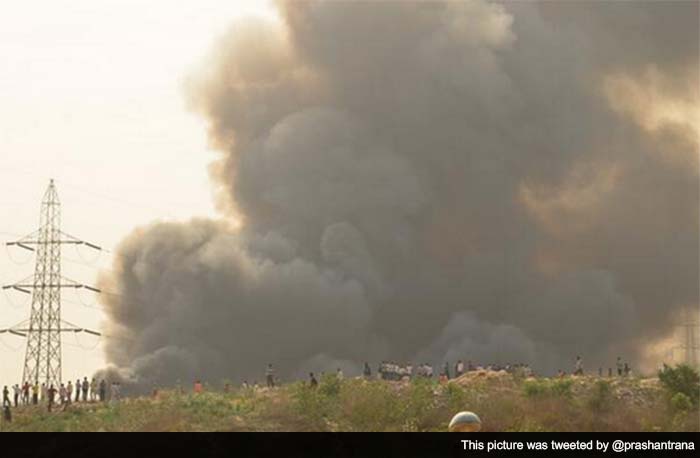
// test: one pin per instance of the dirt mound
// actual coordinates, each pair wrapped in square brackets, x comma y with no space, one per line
[639,391]
[631,389]
[484,376]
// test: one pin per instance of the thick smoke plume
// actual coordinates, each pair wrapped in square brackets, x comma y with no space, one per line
[426,181]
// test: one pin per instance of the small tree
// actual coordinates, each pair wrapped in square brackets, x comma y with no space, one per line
[681,379]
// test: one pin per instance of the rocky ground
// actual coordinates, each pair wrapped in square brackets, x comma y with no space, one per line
[639,391]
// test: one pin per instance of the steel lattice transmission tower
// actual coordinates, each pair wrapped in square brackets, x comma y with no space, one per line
[42,362]
[689,337]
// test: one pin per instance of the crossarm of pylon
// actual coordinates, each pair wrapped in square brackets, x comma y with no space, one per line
[24,243]
[21,245]
[21,332]
[15,330]
[18,286]
[70,327]
[76,241]
[21,286]
[21,329]
[66,239]
[25,285]
[76,285]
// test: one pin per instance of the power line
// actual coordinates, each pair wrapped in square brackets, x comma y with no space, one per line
[90,193]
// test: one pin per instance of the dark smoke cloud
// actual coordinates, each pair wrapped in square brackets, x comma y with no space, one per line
[427,181]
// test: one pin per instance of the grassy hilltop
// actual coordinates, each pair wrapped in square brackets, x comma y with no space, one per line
[504,403]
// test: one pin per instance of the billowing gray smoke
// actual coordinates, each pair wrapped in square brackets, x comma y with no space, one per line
[423,181]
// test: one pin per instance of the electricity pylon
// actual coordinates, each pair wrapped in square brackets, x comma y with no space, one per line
[689,342]
[42,361]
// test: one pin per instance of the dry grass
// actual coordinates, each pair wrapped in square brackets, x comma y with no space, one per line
[359,405]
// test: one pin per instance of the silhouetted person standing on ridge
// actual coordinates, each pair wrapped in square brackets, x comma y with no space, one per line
[86,388]
[116,392]
[103,391]
[93,389]
[62,394]
[52,396]
[579,366]
[459,368]
[270,376]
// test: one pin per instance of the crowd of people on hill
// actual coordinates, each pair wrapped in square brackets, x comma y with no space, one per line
[62,395]
[100,391]
[392,371]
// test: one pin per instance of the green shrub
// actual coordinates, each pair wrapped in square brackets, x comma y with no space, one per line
[330,385]
[681,379]
[535,388]
[680,402]
[311,405]
[601,397]
[561,387]
[370,406]
[420,403]
[541,388]
[457,397]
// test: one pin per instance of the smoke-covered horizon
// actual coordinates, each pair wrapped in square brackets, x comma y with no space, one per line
[495,182]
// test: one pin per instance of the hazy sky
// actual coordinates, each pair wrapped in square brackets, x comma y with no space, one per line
[91,95]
